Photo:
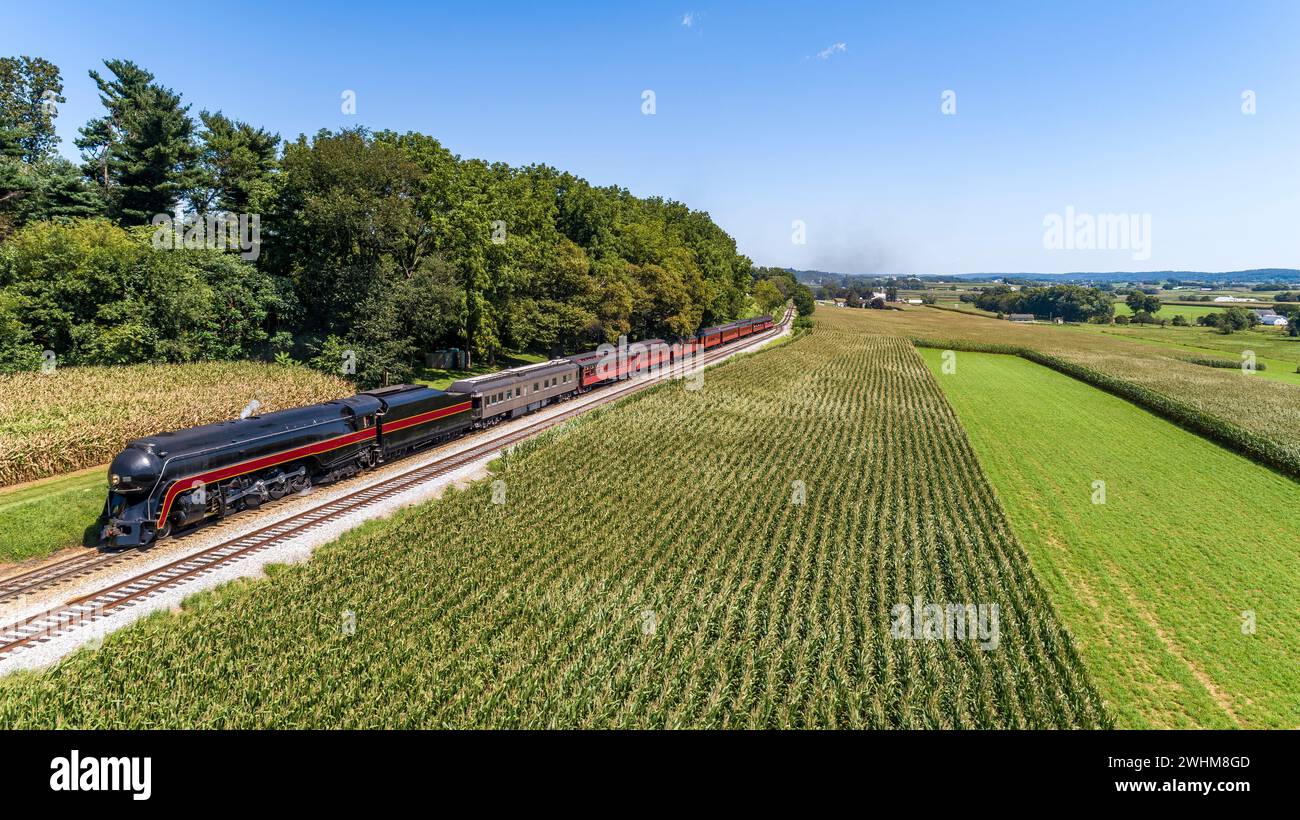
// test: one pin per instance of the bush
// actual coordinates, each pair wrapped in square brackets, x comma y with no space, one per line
[1226,364]
[1229,321]
[97,294]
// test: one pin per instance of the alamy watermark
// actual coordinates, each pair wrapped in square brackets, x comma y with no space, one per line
[920,621]
[652,360]
[1074,231]
[649,622]
[1248,363]
[798,492]
[75,772]
[213,231]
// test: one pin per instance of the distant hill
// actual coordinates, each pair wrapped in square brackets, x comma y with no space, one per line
[1240,276]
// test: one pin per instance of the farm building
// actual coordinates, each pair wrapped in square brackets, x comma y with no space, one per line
[1271,318]
[1021,317]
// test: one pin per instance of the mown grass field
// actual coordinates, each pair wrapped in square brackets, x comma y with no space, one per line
[77,417]
[1154,581]
[1256,403]
[1169,311]
[653,565]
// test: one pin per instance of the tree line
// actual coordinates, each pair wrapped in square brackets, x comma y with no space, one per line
[381,243]
[1072,303]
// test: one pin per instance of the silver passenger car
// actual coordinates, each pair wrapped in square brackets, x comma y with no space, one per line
[519,390]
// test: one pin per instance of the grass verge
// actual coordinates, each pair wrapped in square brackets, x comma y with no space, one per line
[43,517]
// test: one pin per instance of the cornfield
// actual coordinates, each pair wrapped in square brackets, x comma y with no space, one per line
[726,557]
[78,417]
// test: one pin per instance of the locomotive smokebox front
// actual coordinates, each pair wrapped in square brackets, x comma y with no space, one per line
[133,473]
[134,470]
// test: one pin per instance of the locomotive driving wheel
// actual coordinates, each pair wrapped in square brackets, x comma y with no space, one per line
[278,489]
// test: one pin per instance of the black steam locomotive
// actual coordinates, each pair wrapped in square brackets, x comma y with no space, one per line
[172,480]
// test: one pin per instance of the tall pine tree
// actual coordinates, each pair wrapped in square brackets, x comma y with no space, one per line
[236,163]
[142,151]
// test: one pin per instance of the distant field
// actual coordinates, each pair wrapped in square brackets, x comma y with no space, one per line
[723,557]
[1170,311]
[1258,403]
[1271,346]
[77,417]
[965,306]
[1154,581]
[1167,311]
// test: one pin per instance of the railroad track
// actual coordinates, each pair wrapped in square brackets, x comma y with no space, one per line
[57,573]
[87,609]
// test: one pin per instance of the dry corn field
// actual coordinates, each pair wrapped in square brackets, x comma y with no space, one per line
[78,417]
[654,564]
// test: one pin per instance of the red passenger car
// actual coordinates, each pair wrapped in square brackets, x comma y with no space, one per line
[603,366]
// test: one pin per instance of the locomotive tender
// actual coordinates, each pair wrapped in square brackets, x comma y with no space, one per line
[167,481]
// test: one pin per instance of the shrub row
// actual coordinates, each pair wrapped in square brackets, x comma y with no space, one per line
[1212,361]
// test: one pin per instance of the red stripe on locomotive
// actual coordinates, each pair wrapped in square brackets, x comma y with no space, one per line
[234,470]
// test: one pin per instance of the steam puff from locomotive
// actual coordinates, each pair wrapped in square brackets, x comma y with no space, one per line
[169,481]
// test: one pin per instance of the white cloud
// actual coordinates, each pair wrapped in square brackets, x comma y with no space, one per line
[832,49]
[688,19]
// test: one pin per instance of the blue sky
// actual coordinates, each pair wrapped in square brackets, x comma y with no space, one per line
[767,113]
